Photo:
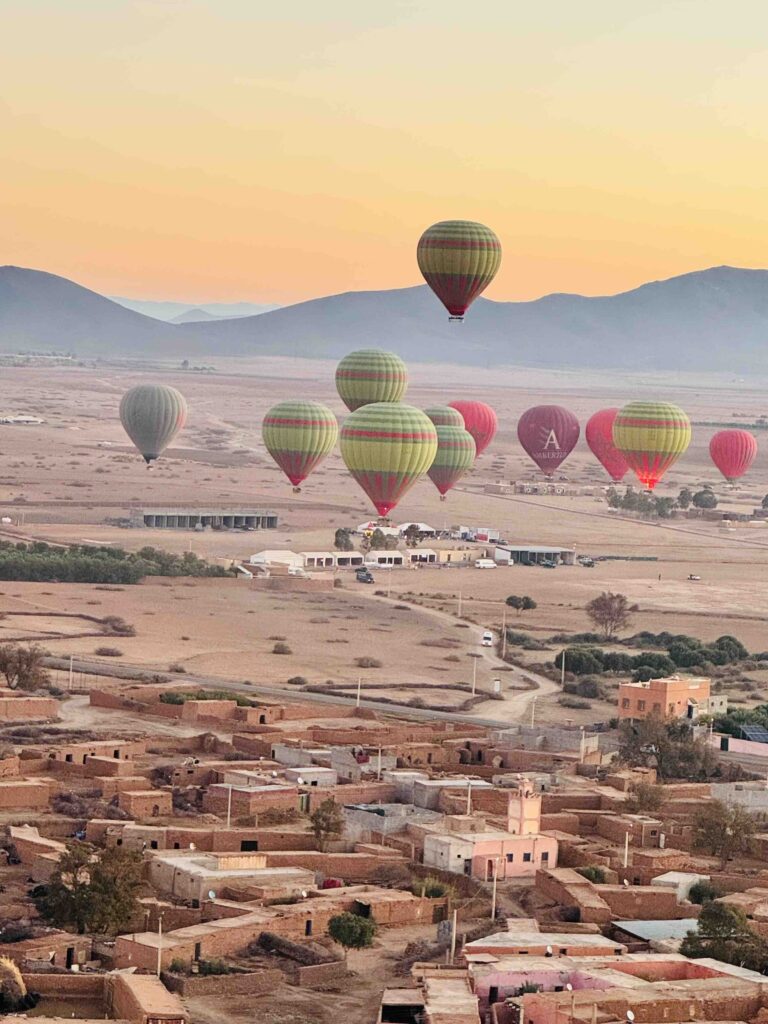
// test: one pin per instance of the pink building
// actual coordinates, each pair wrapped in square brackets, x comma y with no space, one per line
[518,852]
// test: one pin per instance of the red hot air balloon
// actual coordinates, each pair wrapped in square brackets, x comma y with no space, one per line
[479,420]
[599,435]
[733,452]
[549,434]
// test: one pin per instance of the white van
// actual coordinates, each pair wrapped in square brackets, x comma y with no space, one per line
[485,563]
[487,639]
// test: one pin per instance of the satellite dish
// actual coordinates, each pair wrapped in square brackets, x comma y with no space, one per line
[569,987]
[303,894]
[630,1016]
[299,782]
[549,951]
[274,775]
[192,846]
[626,883]
[211,894]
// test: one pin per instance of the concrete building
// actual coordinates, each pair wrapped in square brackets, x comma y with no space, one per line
[227,519]
[481,854]
[533,554]
[191,875]
[675,696]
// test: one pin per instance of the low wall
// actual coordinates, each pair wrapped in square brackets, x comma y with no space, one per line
[254,983]
[319,975]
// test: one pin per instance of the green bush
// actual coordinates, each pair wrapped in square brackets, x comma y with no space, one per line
[593,873]
[703,892]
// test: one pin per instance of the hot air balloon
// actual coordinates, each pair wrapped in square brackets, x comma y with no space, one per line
[549,434]
[733,452]
[459,259]
[599,435]
[651,436]
[480,420]
[371,375]
[299,435]
[455,455]
[445,416]
[386,447]
[152,415]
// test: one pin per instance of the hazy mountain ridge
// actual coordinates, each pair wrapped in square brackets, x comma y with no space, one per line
[172,311]
[714,319]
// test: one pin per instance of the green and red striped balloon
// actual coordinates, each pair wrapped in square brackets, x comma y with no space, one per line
[298,435]
[459,259]
[651,436]
[387,446]
[455,455]
[371,375]
[445,416]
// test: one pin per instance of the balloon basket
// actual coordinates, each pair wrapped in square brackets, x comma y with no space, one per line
[456,319]
[442,497]
[297,490]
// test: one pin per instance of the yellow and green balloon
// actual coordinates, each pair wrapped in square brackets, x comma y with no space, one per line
[371,375]
[387,447]
[298,435]
[651,436]
[456,453]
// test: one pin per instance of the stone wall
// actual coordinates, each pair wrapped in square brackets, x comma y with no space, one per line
[254,983]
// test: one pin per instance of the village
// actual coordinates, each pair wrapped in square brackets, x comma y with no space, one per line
[284,856]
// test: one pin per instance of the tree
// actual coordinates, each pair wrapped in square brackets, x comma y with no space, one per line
[704,499]
[342,539]
[593,873]
[521,604]
[609,613]
[724,831]
[92,891]
[412,535]
[723,933]
[22,667]
[669,747]
[327,821]
[645,798]
[684,498]
[352,931]
[702,892]
[764,502]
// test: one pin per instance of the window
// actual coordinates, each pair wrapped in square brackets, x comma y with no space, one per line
[641,705]
[545,857]
[510,858]
[625,702]
[153,844]
[671,709]
[654,832]
[527,858]
[657,707]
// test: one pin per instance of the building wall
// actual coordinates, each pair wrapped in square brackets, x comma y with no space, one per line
[661,697]
[146,804]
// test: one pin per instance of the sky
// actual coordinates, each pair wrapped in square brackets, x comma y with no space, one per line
[228,150]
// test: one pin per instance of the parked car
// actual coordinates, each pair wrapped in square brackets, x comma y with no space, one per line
[693,576]
[487,639]
[364,576]
[548,564]
[485,563]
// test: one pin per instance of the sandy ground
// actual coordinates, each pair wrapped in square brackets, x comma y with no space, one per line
[59,483]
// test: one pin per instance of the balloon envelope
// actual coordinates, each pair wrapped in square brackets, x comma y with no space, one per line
[599,436]
[459,259]
[733,452]
[445,416]
[651,436]
[299,435]
[152,415]
[371,375]
[549,434]
[455,455]
[480,420]
[387,446]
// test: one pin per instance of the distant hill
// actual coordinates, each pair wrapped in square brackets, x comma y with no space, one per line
[713,319]
[193,316]
[171,311]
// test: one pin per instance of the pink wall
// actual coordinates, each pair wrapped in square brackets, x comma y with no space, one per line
[542,850]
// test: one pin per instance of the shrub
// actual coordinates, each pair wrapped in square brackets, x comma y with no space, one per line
[281,648]
[431,887]
[297,681]
[593,873]
[589,688]
[178,966]
[177,667]
[172,697]
[352,931]
[109,652]
[574,703]
[367,662]
[703,892]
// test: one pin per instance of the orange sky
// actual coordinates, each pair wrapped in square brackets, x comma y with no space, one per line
[221,149]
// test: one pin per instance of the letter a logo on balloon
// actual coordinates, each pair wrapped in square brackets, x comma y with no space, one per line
[551,441]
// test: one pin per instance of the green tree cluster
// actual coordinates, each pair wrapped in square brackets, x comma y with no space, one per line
[667,746]
[352,931]
[521,604]
[92,890]
[723,933]
[724,831]
[327,822]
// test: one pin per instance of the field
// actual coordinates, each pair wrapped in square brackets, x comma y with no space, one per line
[62,481]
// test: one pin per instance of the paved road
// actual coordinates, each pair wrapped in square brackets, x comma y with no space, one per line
[506,715]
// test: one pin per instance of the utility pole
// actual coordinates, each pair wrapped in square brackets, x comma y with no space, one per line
[459,608]
[504,634]
[533,711]
[495,880]
[453,935]
[359,685]
[71,671]
[626,849]
[159,944]
[229,806]
[474,674]
[469,796]
[378,767]
[562,670]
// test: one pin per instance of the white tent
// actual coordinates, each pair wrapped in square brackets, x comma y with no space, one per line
[424,528]
[277,557]
[388,531]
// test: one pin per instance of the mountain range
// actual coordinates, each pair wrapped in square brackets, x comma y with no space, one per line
[174,311]
[714,319]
